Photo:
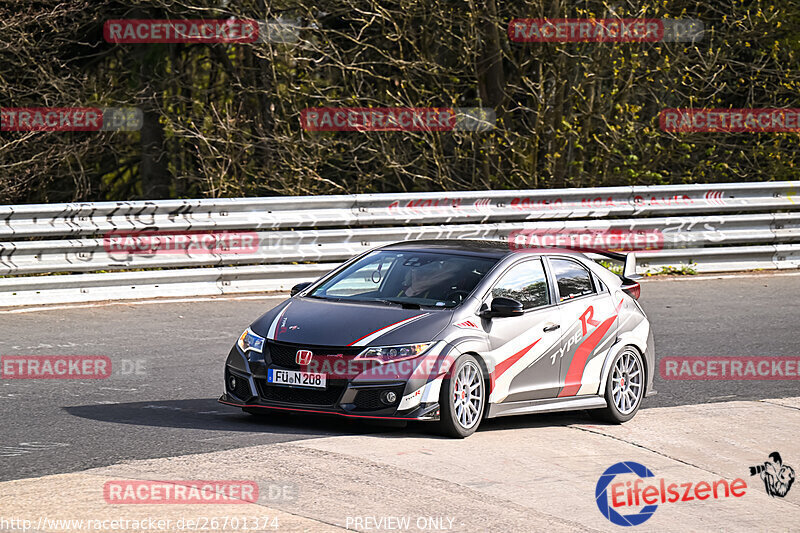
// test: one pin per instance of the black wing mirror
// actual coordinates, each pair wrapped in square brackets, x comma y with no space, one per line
[299,287]
[503,307]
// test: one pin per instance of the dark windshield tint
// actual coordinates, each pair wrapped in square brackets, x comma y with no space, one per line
[396,277]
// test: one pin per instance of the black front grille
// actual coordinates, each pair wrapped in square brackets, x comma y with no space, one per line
[283,355]
[370,399]
[242,388]
[319,397]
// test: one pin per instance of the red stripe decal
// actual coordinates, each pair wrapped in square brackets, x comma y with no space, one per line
[572,383]
[278,323]
[504,365]
[381,329]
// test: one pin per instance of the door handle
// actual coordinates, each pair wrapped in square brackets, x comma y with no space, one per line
[552,328]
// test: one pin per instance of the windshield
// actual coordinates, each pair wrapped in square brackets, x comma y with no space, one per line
[407,278]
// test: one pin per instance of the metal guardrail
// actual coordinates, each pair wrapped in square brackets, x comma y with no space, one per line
[283,247]
[720,227]
[84,219]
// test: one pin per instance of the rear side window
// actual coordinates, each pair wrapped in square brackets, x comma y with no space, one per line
[573,280]
[524,282]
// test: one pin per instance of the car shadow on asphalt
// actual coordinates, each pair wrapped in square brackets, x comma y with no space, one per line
[206,414]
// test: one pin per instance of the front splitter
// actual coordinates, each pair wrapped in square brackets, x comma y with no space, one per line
[425,413]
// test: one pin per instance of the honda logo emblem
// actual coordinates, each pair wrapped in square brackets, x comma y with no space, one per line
[303,357]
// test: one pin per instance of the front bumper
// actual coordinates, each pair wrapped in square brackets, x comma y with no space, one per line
[415,397]
[425,412]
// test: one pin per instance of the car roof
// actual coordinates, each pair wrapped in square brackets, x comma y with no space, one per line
[482,248]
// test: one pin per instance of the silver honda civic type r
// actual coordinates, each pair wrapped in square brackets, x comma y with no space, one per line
[451,332]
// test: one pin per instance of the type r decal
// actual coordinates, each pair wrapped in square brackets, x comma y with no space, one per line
[273,328]
[572,382]
[586,319]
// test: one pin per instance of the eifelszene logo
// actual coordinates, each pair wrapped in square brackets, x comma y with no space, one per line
[777,477]
[635,493]
[601,495]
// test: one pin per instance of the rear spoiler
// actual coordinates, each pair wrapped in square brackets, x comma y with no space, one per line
[628,260]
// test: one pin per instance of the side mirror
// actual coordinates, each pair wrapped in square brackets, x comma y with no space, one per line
[503,307]
[299,287]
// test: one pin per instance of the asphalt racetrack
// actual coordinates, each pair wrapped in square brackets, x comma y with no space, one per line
[170,355]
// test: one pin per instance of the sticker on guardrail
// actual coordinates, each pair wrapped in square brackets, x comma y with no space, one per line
[424,205]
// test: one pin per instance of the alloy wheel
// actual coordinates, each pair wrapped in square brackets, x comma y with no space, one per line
[468,395]
[626,382]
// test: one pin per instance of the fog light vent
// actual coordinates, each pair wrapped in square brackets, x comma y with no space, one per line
[238,386]
[388,397]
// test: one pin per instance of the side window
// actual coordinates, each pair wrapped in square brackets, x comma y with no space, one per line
[573,280]
[525,283]
[601,287]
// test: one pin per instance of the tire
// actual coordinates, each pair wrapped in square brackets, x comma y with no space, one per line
[462,407]
[623,403]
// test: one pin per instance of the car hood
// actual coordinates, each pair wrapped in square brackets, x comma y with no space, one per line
[329,323]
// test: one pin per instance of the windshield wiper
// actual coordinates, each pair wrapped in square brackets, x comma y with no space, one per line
[393,301]
[327,298]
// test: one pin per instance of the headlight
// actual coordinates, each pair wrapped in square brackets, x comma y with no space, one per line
[250,341]
[390,354]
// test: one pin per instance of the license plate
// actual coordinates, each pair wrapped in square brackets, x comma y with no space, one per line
[296,378]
